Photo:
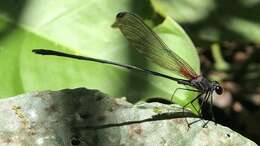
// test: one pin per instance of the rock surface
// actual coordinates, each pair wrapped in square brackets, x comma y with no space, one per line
[67,117]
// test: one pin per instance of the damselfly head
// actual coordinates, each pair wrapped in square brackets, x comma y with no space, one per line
[218,89]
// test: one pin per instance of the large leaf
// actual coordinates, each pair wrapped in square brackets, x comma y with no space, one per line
[73,25]
[82,28]
[184,10]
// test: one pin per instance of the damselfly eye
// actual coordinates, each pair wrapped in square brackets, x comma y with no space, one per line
[218,90]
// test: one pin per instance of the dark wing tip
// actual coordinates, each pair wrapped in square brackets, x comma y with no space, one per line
[38,51]
[42,51]
[121,15]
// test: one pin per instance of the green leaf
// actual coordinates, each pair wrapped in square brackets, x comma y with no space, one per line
[247,28]
[81,28]
[184,10]
[71,25]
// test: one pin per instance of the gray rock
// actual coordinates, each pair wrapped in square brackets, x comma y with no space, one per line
[78,117]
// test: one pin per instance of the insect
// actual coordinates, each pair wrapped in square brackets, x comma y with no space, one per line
[150,45]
